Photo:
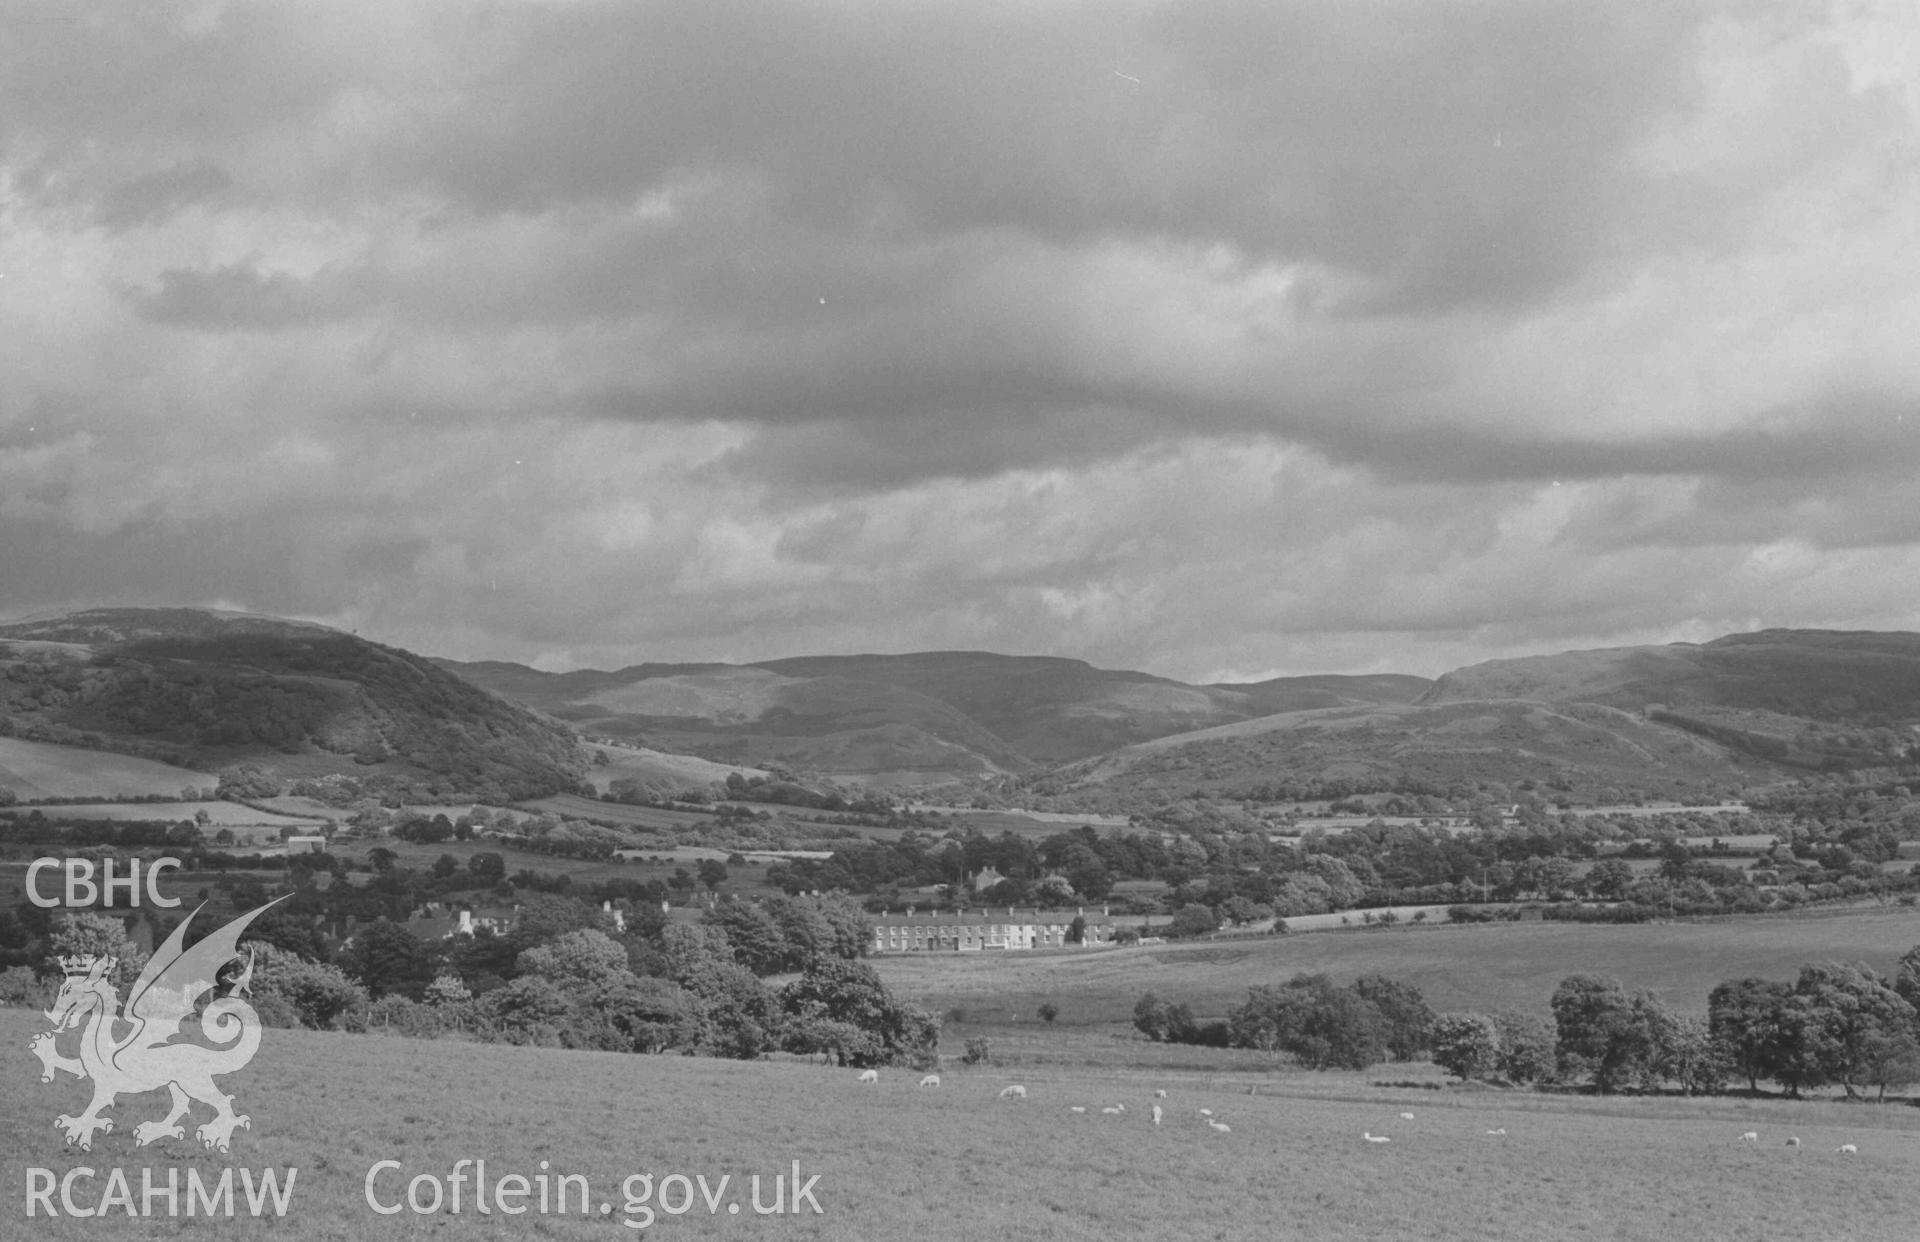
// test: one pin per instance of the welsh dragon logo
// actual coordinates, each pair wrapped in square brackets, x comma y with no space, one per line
[146,1057]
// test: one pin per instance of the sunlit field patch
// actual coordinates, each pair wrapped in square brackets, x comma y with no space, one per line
[896,1160]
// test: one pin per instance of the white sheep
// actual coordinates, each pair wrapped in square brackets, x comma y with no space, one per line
[1156,1114]
[1160,1094]
[1221,1126]
[1501,1130]
[1374,1138]
[931,1080]
[1078,1108]
[1406,1116]
[1750,1137]
[1206,1112]
[1013,1091]
[1848,1148]
[1111,1111]
[869,1075]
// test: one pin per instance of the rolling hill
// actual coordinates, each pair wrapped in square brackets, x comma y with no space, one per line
[203,689]
[908,718]
[1670,720]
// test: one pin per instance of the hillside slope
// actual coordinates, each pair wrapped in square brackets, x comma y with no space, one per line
[204,689]
[1668,720]
[922,716]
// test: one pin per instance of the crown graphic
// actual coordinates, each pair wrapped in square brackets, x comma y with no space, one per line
[79,964]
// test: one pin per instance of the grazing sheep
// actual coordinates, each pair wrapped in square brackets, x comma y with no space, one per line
[1374,1138]
[1206,1112]
[1848,1148]
[931,1080]
[1078,1108]
[1160,1095]
[1221,1126]
[1156,1114]
[1013,1092]
[1501,1130]
[1750,1137]
[1794,1141]
[1406,1116]
[869,1075]
[1111,1112]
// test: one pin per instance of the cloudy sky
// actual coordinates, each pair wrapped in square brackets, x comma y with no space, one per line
[1216,338]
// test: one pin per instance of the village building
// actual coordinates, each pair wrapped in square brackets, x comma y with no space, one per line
[996,928]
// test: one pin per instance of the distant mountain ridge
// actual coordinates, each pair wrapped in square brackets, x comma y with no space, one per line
[208,688]
[936,713]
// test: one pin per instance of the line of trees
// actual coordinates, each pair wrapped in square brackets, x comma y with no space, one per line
[1836,1024]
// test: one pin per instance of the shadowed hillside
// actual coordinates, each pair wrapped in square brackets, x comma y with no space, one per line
[205,689]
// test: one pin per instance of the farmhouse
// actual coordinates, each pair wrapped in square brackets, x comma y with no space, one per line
[971,930]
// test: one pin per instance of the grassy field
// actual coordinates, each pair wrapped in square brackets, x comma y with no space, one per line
[894,1160]
[219,814]
[573,806]
[39,770]
[1478,967]
[683,771]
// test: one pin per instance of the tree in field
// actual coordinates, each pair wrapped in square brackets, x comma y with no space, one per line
[1466,1045]
[851,993]
[1407,1019]
[288,990]
[1890,1059]
[756,937]
[388,959]
[712,873]
[1906,977]
[1048,1012]
[1527,1046]
[248,781]
[1604,1031]
[487,867]
[1193,919]
[1609,879]
[1150,1018]
[644,1015]
[548,916]
[1687,1054]
[1744,1018]
[1323,1026]
[1851,1014]
[589,957]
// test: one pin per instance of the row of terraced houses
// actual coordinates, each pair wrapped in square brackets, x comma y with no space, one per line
[973,930]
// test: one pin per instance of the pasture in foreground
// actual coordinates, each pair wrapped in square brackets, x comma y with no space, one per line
[1481,967]
[895,1160]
